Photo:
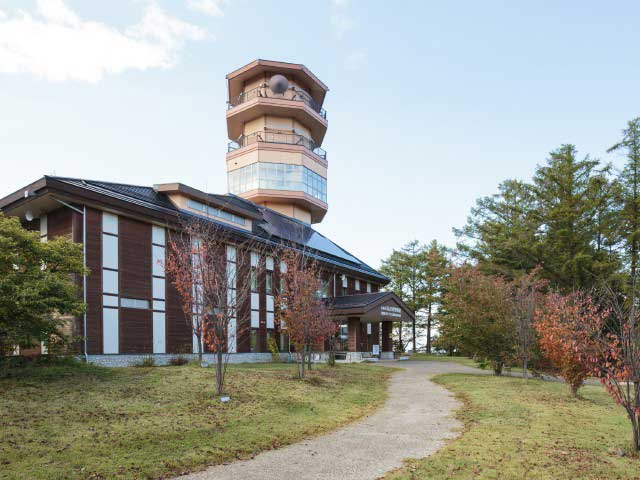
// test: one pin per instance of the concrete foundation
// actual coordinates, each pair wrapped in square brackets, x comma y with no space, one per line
[118,360]
[164,359]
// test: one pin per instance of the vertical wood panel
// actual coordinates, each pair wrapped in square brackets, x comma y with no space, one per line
[134,247]
[244,309]
[179,334]
[386,336]
[351,285]
[94,281]
[59,223]
[135,331]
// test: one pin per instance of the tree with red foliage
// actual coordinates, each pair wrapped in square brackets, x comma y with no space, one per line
[613,353]
[601,338]
[302,310]
[559,322]
[209,267]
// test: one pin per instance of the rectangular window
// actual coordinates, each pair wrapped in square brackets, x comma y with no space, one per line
[157,259]
[231,298]
[110,300]
[157,235]
[255,319]
[43,227]
[157,285]
[159,305]
[109,251]
[254,340]
[269,282]
[254,280]
[110,339]
[109,223]
[110,281]
[368,287]
[284,342]
[216,212]
[134,303]
[159,332]
[357,285]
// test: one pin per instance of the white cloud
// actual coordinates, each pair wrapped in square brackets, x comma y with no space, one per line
[58,45]
[341,19]
[58,12]
[355,60]
[213,8]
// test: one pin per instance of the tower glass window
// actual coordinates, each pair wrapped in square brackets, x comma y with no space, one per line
[278,176]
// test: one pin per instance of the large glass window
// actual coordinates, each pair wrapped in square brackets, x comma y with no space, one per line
[278,176]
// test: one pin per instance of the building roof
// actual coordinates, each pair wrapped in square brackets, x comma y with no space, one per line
[268,225]
[365,306]
[358,300]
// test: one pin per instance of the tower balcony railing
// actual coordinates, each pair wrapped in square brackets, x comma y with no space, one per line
[263,91]
[275,136]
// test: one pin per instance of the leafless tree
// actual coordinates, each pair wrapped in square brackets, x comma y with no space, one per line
[526,296]
[215,271]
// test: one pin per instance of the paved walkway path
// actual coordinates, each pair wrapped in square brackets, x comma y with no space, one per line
[415,422]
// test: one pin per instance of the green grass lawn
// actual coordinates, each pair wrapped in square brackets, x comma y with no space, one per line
[530,430]
[91,422]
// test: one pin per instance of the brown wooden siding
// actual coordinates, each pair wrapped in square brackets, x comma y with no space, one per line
[375,333]
[135,329]
[60,223]
[386,336]
[94,281]
[134,248]
[178,332]
[244,310]
[262,290]
[351,285]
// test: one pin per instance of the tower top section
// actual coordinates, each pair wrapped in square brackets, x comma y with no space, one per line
[276,125]
[297,71]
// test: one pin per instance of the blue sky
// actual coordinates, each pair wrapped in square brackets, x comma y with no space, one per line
[431,104]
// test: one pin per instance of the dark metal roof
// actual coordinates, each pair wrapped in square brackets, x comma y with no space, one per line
[358,300]
[361,304]
[272,226]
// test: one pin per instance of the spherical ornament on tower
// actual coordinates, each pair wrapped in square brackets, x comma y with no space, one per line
[278,84]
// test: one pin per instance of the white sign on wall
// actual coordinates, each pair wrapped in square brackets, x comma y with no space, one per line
[388,311]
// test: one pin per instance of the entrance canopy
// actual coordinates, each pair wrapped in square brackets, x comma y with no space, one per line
[371,307]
